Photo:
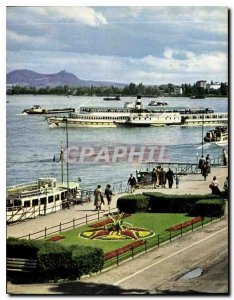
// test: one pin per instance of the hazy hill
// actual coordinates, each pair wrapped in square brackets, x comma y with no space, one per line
[30,78]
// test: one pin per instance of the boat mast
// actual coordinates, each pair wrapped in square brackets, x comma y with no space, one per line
[62,160]
[67,157]
[203,129]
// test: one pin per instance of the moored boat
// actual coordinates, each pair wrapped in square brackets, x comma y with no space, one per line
[219,135]
[37,109]
[204,119]
[116,98]
[29,200]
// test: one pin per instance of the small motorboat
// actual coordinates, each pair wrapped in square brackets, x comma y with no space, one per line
[219,135]
[157,103]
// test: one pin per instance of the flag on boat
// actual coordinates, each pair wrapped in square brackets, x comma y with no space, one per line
[61,154]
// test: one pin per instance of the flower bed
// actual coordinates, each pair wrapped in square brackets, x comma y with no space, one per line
[122,250]
[107,221]
[56,238]
[185,224]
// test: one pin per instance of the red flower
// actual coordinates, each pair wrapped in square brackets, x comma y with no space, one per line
[124,249]
[185,224]
[100,233]
[129,233]
[56,238]
[107,221]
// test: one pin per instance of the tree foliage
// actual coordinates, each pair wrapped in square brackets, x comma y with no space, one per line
[132,89]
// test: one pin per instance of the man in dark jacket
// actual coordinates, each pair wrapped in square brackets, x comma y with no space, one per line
[170,177]
[132,182]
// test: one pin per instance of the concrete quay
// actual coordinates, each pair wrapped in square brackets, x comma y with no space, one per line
[189,184]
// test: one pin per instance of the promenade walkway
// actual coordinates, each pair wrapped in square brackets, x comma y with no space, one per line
[189,184]
[157,271]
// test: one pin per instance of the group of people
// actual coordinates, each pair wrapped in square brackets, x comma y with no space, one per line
[160,177]
[204,165]
[99,197]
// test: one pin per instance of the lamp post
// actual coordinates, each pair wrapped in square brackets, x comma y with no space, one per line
[197,160]
[46,190]
[203,129]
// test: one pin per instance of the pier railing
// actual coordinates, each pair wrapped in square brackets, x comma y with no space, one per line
[72,224]
[180,168]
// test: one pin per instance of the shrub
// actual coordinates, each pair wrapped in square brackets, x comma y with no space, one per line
[210,208]
[87,260]
[133,203]
[158,202]
[56,261]
[22,248]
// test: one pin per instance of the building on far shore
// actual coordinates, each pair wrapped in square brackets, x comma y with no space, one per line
[201,84]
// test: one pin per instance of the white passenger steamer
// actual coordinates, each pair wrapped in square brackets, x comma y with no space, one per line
[29,200]
[137,115]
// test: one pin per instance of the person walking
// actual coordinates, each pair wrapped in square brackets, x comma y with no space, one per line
[98,197]
[208,162]
[170,177]
[224,157]
[108,193]
[204,171]
[201,162]
[163,178]
[158,171]
[132,183]
[177,180]
[214,186]
[154,178]
[225,187]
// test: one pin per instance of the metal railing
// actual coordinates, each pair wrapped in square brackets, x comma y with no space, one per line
[47,231]
[158,240]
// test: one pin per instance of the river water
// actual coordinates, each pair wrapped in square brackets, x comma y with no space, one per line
[31,144]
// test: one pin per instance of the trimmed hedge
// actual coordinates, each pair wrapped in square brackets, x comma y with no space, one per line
[212,208]
[21,248]
[133,203]
[158,202]
[56,261]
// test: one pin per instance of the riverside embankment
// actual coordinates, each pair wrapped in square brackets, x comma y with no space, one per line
[159,270]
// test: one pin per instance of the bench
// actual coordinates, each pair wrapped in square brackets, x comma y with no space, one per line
[21,264]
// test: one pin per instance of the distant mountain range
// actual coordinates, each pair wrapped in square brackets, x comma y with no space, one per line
[30,78]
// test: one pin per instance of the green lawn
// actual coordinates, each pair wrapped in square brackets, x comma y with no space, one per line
[156,222]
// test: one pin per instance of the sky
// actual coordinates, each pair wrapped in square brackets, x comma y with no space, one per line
[148,44]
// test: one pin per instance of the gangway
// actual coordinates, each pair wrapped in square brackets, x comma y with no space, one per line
[179,168]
